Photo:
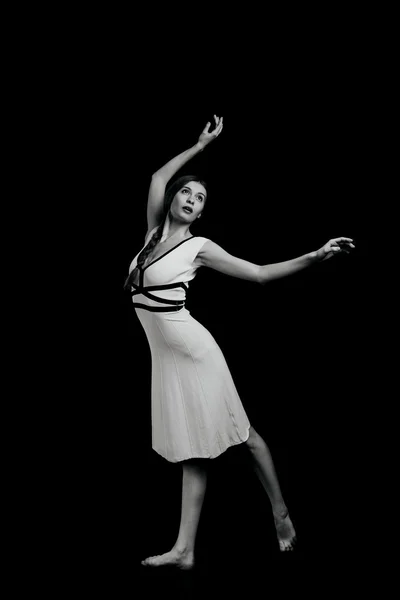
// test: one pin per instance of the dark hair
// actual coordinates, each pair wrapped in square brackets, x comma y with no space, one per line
[170,192]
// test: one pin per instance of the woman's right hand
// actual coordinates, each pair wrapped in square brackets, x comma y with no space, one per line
[206,137]
[335,246]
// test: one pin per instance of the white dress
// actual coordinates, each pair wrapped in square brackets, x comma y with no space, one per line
[196,411]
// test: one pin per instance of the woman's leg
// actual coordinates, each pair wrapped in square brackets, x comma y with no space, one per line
[265,470]
[194,483]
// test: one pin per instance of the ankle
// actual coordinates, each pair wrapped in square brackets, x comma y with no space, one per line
[183,549]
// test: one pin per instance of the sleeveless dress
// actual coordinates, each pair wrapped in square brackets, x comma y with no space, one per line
[196,411]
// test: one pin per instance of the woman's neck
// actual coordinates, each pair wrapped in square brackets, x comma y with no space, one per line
[178,231]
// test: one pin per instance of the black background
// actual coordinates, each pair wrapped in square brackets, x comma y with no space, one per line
[296,164]
[282,182]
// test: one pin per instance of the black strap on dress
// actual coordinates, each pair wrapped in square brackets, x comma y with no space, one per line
[175,304]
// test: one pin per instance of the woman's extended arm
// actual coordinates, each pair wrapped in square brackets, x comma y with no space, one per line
[161,177]
[213,256]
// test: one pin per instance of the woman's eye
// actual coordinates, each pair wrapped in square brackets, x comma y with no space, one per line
[185,191]
[200,198]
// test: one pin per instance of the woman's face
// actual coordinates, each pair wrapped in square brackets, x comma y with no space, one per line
[189,202]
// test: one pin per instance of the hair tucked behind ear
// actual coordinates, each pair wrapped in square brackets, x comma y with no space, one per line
[168,198]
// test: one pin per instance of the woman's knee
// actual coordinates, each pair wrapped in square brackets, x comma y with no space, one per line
[254,440]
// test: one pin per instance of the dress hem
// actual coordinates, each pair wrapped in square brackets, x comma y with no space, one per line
[206,457]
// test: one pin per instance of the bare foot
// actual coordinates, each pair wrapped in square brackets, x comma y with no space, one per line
[174,558]
[285,531]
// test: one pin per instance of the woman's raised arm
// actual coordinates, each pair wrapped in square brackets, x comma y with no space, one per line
[161,177]
[213,256]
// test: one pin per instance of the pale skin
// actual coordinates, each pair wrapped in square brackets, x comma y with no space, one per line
[194,478]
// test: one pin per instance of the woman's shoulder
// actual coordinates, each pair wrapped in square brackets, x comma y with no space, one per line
[199,240]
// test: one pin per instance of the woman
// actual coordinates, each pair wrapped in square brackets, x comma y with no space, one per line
[196,411]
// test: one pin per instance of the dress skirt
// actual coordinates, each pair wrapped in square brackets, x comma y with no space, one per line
[196,411]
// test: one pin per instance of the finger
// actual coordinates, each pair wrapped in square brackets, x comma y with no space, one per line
[216,131]
[346,245]
[207,127]
[342,239]
[332,250]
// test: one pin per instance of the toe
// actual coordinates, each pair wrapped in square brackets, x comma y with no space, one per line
[291,546]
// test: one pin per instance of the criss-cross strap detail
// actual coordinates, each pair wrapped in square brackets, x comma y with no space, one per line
[175,304]
[157,299]
[140,288]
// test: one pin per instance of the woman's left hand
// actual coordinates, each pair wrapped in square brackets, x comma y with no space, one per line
[335,246]
[206,136]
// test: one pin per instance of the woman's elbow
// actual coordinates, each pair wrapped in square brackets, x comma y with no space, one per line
[260,276]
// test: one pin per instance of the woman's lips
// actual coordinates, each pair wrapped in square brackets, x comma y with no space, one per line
[188,209]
